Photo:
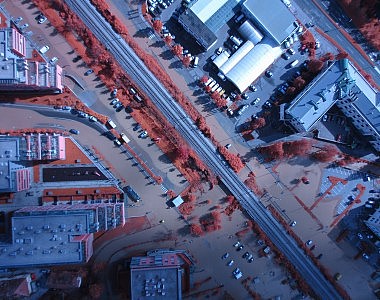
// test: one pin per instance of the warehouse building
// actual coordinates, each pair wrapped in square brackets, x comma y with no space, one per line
[341,84]
[203,18]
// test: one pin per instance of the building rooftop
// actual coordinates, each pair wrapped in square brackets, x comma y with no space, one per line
[158,276]
[20,71]
[339,82]
[273,16]
[57,234]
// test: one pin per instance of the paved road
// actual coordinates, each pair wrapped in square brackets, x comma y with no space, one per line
[325,24]
[173,112]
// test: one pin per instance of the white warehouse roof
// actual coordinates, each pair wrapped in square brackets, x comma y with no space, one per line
[236,57]
[205,9]
[250,32]
[221,59]
[252,65]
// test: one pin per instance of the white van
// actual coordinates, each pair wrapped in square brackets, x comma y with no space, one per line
[111,123]
[294,63]
[214,87]
[195,61]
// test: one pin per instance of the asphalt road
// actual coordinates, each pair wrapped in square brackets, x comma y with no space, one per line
[325,24]
[162,99]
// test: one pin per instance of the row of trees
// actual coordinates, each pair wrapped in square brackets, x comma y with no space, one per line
[280,150]
[364,14]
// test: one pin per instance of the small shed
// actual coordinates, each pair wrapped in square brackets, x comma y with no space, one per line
[177,201]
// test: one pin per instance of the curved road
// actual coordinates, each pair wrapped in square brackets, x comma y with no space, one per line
[177,117]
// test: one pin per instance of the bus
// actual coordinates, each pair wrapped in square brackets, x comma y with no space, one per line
[124,138]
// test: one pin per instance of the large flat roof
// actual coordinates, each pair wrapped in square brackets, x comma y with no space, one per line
[204,9]
[273,16]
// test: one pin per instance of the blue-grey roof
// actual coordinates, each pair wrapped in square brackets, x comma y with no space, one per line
[341,84]
[272,16]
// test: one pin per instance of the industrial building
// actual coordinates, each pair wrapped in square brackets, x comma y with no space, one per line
[21,71]
[266,27]
[342,84]
[57,234]
[203,18]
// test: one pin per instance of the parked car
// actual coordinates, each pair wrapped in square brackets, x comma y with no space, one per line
[136,127]
[44,49]
[53,60]
[225,255]
[114,101]
[18,20]
[41,18]
[143,134]
[268,74]
[237,273]
[254,102]
[285,56]
[309,242]
[245,96]
[74,131]
[293,223]
[237,244]
[253,88]
[291,51]
[230,263]
[245,255]
[88,72]
[240,247]
[251,259]
[228,146]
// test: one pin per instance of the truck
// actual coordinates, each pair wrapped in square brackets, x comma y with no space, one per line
[236,40]
[132,194]
[124,137]
[214,88]
[111,124]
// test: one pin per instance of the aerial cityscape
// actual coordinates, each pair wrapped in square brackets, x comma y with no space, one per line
[190,149]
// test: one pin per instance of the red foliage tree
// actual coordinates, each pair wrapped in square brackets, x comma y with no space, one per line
[186,61]
[183,152]
[168,39]
[341,55]
[177,50]
[327,56]
[297,148]
[299,83]
[196,230]
[327,154]
[207,89]
[203,79]
[315,66]
[219,101]
[157,25]
[257,123]
[273,152]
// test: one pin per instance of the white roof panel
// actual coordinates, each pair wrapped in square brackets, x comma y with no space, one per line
[221,59]
[236,57]
[252,65]
[204,9]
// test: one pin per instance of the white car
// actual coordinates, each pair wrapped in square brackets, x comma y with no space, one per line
[237,244]
[293,223]
[230,263]
[309,242]
[53,60]
[237,273]
[44,49]
[225,255]
[143,134]
[254,102]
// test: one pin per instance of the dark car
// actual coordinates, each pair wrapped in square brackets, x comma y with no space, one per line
[246,254]
[268,74]
[74,131]
[240,247]
[78,58]
[285,56]
[137,127]
[128,109]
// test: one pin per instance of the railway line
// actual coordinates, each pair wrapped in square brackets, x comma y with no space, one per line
[185,126]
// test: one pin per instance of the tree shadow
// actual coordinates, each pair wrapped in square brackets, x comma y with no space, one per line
[100,85]
[167,55]
[158,44]
[184,231]
[142,33]
[176,65]
[55,32]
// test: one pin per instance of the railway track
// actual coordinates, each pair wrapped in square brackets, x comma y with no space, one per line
[204,148]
